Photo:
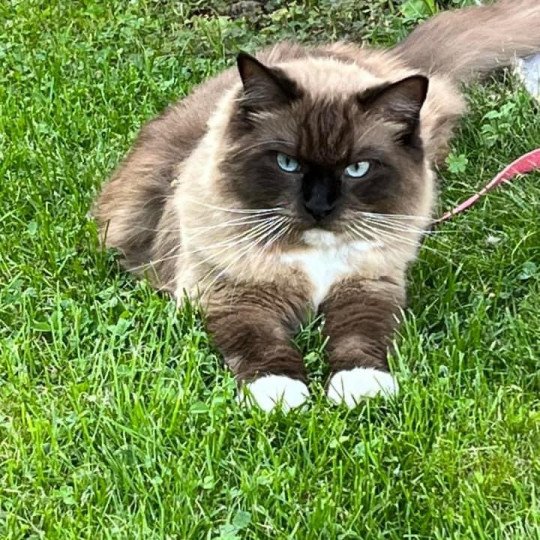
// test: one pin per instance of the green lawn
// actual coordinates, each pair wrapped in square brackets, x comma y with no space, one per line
[116,417]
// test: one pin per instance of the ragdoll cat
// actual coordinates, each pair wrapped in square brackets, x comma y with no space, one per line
[304,181]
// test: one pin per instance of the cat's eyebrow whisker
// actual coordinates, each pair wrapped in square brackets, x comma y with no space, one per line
[238,210]
[367,132]
[240,151]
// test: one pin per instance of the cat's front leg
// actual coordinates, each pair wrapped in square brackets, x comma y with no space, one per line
[361,316]
[253,329]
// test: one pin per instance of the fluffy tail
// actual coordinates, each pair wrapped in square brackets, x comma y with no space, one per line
[467,42]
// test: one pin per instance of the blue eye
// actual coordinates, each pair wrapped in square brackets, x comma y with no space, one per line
[359,169]
[287,163]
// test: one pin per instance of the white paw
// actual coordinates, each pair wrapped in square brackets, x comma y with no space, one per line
[274,391]
[350,386]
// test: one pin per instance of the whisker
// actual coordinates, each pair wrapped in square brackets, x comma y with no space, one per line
[244,220]
[206,259]
[260,145]
[152,263]
[360,234]
[251,220]
[149,229]
[395,216]
[390,235]
[404,228]
[253,235]
[394,226]
[162,198]
[398,238]
[273,239]
[238,210]
[286,223]
[229,242]
[243,252]
[271,231]
[284,231]
[424,227]
[239,240]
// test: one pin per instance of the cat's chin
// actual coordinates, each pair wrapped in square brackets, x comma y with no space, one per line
[274,392]
[319,237]
[350,387]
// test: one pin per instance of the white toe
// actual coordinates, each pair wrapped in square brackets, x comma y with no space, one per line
[274,391]
[351,386]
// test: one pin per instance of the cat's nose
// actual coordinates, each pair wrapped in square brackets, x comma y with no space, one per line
[318,209]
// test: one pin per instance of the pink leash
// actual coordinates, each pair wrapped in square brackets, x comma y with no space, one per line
[523,165]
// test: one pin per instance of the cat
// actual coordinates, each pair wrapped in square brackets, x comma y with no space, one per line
[303,180]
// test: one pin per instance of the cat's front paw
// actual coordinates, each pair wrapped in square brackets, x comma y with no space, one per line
[274,391]
[351,386]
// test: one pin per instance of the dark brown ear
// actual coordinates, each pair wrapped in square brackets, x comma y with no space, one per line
[264,87]
[400,102]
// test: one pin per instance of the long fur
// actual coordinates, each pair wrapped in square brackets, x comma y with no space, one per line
[176,207]
[466,43]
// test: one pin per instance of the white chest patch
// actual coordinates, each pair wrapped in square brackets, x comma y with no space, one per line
[327,260]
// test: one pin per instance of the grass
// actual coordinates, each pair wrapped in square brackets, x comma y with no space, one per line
[116,417]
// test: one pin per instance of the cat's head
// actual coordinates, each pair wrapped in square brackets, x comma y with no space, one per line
[325,157]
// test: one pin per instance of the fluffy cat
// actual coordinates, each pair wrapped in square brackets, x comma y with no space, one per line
[304,181]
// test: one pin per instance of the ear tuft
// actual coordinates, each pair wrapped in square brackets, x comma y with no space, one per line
[264,87]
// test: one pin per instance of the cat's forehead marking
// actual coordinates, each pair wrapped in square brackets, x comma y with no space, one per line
[325,130]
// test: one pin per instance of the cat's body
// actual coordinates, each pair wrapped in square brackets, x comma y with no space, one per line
[305,185]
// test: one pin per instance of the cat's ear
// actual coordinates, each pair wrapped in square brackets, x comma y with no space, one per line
[400,102]
[264,87]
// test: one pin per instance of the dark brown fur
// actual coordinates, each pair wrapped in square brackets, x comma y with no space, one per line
[361,316]
[254,305]
[254,328]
